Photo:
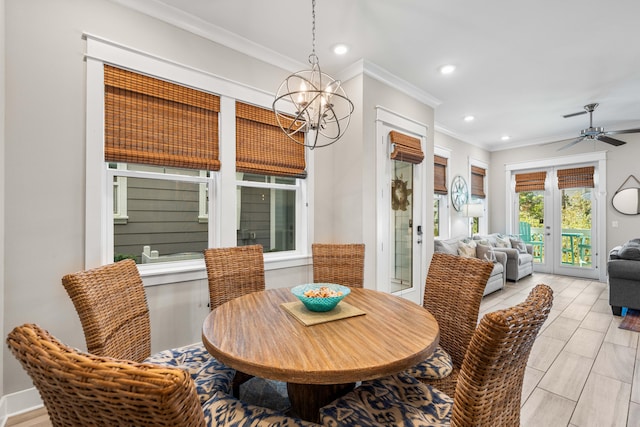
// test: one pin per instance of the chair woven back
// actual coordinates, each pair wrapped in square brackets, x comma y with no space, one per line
[80,389]
[452,293]
[233,272]
[490,382]
[341,263]
[112,306]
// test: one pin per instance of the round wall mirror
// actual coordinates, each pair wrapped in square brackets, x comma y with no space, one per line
[626,201]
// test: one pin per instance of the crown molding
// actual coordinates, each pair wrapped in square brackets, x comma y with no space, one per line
[197,26]
[376,72]
[441,129]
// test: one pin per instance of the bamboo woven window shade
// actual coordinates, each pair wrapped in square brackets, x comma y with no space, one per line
[576,177]
[155,122]
[532,181]
[406,148]
[263,148]
[477,182]
[440,175]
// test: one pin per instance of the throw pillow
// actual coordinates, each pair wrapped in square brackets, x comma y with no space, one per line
[486,252]
[467,249]
[502,242]
[519,245]
[631,252]
[446,247]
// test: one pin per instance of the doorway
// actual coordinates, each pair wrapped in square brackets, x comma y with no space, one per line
[400,207]
[556,211]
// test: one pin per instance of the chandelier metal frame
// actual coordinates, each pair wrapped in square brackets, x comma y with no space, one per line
[321,104]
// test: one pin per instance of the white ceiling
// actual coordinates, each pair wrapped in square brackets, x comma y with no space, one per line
[520,65]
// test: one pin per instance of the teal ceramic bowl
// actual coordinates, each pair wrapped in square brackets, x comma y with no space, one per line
[319,303]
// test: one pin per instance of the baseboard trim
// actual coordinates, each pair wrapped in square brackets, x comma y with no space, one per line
[3,411]
[18,403]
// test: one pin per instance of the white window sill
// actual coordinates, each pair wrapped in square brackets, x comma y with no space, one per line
[187,271]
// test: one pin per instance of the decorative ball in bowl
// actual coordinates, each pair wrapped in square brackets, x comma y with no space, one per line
[320,296]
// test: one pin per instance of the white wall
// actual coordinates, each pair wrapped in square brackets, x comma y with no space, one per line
[2,183]
[458,164]
[345,207]
[45,156]
[622,161]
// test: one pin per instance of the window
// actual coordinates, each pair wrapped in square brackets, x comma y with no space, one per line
[166,133]
[478,196]
[269,168]
[267,211]
[163,206]
[154,189]
[440,196]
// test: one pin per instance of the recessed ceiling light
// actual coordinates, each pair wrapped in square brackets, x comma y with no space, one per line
[447,69]
[340,49]
[469,118]
[505,137]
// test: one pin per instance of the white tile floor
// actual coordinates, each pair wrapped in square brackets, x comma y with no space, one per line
[583,370]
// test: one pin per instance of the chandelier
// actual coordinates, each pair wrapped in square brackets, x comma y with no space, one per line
[321,105]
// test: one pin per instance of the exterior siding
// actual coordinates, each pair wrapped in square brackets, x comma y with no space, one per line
[162,215]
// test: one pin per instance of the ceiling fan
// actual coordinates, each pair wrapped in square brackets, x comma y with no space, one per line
[596,132]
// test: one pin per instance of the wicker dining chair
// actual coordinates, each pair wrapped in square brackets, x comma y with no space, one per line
[489,387]
[341,263]
[112,305]
[453,292]
[233,272]
[81,389]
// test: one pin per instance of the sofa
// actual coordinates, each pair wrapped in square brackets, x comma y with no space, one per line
[519,254]
[467,247]
[623,268]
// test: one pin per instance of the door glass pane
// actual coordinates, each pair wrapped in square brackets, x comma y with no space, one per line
[532,221]
[576,227]
[401,226]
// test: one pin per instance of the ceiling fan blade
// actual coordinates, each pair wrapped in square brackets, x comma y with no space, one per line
[611,141]
[574,114]
[614,132]
[574,142]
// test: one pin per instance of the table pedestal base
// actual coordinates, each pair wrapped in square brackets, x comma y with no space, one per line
[307,399]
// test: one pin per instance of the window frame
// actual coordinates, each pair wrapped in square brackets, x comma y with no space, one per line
[298,187]
[127,173]
[222,220]
[483,221]
[445,211]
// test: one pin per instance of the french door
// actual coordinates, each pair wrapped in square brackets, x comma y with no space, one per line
[556,211]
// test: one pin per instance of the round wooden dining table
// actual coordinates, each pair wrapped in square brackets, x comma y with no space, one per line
[255,334]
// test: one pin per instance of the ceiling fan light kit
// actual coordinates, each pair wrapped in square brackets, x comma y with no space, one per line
[596,133]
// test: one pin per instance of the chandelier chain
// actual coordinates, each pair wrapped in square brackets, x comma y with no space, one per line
[313,32]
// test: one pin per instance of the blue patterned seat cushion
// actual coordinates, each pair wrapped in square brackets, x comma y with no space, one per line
[225,410]
[207,372]
[397,400]
[438,365]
